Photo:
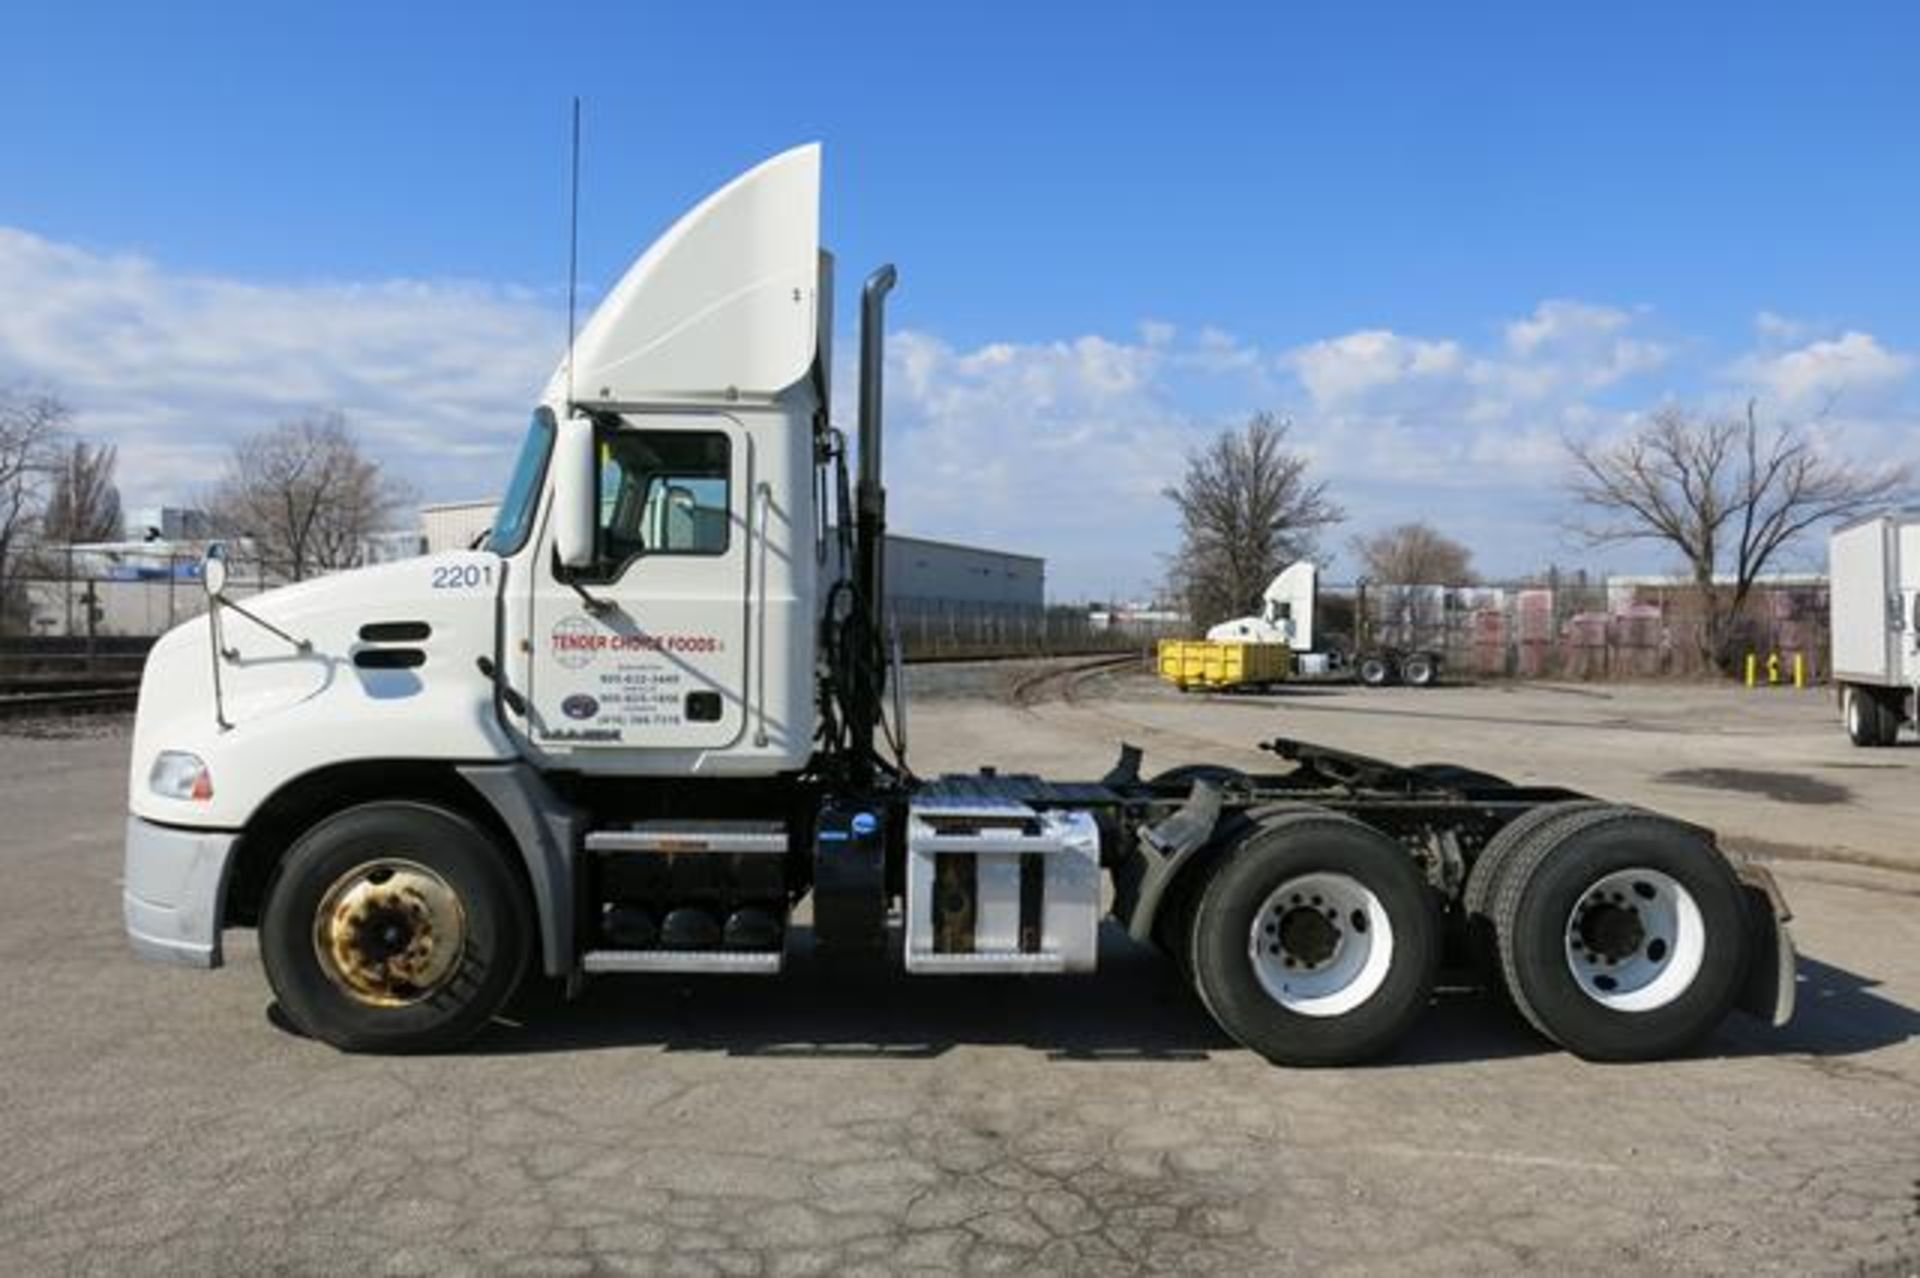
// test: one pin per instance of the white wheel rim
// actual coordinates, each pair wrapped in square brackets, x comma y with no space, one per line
[1321,944]
[1635,940]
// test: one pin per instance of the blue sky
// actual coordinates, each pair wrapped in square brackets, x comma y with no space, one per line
[1438,237]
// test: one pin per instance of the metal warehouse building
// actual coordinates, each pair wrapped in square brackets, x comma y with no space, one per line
[922,572]
[923,576]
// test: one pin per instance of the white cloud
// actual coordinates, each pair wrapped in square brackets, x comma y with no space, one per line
[1345,370]
[1563,347]
[437,377]
[1775,329]
[1850,366]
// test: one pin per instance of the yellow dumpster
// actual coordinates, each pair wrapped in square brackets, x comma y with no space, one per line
[1201,663]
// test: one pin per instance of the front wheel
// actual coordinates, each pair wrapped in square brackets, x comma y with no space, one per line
[394,927]
[1316,942]
[1375,672]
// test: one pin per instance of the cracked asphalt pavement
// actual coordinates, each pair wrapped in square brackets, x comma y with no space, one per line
[860,1121]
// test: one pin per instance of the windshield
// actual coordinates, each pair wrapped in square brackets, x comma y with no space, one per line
[514,520]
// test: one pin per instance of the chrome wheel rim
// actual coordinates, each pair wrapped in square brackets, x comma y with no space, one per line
[390,932]
[1635,940]
[1321,944]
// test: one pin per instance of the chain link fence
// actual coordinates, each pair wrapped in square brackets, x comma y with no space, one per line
[953,630]
[99,618]
[1614,630]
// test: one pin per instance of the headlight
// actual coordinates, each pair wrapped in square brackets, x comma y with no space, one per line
[179,775]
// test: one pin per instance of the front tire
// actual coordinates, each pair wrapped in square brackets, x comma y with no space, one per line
[394,927]
[1316,942]
[1375,672]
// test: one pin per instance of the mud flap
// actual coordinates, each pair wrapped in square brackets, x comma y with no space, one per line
[1143,878]
[1770,987]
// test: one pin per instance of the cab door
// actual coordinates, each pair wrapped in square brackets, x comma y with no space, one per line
[647,648]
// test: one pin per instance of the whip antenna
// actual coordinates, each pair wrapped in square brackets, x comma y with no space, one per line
[573,248]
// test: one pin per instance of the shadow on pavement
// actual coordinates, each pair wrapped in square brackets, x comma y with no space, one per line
[1135,1008]
[1837,1014]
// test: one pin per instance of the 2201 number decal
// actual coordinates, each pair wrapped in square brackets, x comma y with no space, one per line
[462,576]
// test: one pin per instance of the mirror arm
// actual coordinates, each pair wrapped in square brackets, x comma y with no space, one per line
[597,606]
[302,646]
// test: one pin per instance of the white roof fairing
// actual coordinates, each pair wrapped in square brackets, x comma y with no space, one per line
[723,304]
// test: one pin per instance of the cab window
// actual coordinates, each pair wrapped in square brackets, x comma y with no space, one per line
[662,493]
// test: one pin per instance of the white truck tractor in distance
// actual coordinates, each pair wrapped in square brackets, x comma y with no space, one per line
[646,723]
[1289,612]
[1874,592]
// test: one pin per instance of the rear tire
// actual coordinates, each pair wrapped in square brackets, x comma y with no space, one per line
[1316,941]
[1420,670]
[1873,719]
[1483,880]
[1375,672]
[394,927]
[1623,937]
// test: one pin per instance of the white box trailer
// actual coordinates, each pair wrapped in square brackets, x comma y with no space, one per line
[1875,569]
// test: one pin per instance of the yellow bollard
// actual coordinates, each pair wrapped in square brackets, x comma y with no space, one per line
[1753,664]
[1799,669]
[1773,668]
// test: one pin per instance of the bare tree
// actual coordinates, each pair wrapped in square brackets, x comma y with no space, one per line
[1415,554]
[30,430]
[1726,494]
[1247,509]
[84,504]
[305,496]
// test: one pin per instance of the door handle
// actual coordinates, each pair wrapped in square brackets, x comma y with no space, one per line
[764,500]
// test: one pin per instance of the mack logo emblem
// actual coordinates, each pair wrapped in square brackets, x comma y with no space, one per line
[579,706]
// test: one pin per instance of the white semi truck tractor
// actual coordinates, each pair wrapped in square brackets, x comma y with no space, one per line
[1874,590]
[1289,614]
[646,723]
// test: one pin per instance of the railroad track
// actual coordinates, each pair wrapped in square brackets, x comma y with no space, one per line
[1054,695]
[22,704]
[1063,683]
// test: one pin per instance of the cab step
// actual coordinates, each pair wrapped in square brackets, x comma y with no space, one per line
[675,838]
[737,962]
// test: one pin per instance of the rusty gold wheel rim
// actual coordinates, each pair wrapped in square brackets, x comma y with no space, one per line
[390,932]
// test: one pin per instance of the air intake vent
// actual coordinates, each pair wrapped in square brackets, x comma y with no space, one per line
[389,658]
[394,631]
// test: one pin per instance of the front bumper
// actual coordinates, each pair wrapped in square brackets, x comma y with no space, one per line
[175,889]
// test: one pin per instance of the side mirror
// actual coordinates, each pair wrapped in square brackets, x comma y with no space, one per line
[573,495]
[213,571]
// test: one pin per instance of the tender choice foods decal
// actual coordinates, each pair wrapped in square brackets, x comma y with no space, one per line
[639,679]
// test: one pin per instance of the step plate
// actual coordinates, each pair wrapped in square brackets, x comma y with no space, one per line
[737,962]
[752,838]
[998,962]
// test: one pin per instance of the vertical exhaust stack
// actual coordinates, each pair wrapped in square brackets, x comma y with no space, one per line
[870,515]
